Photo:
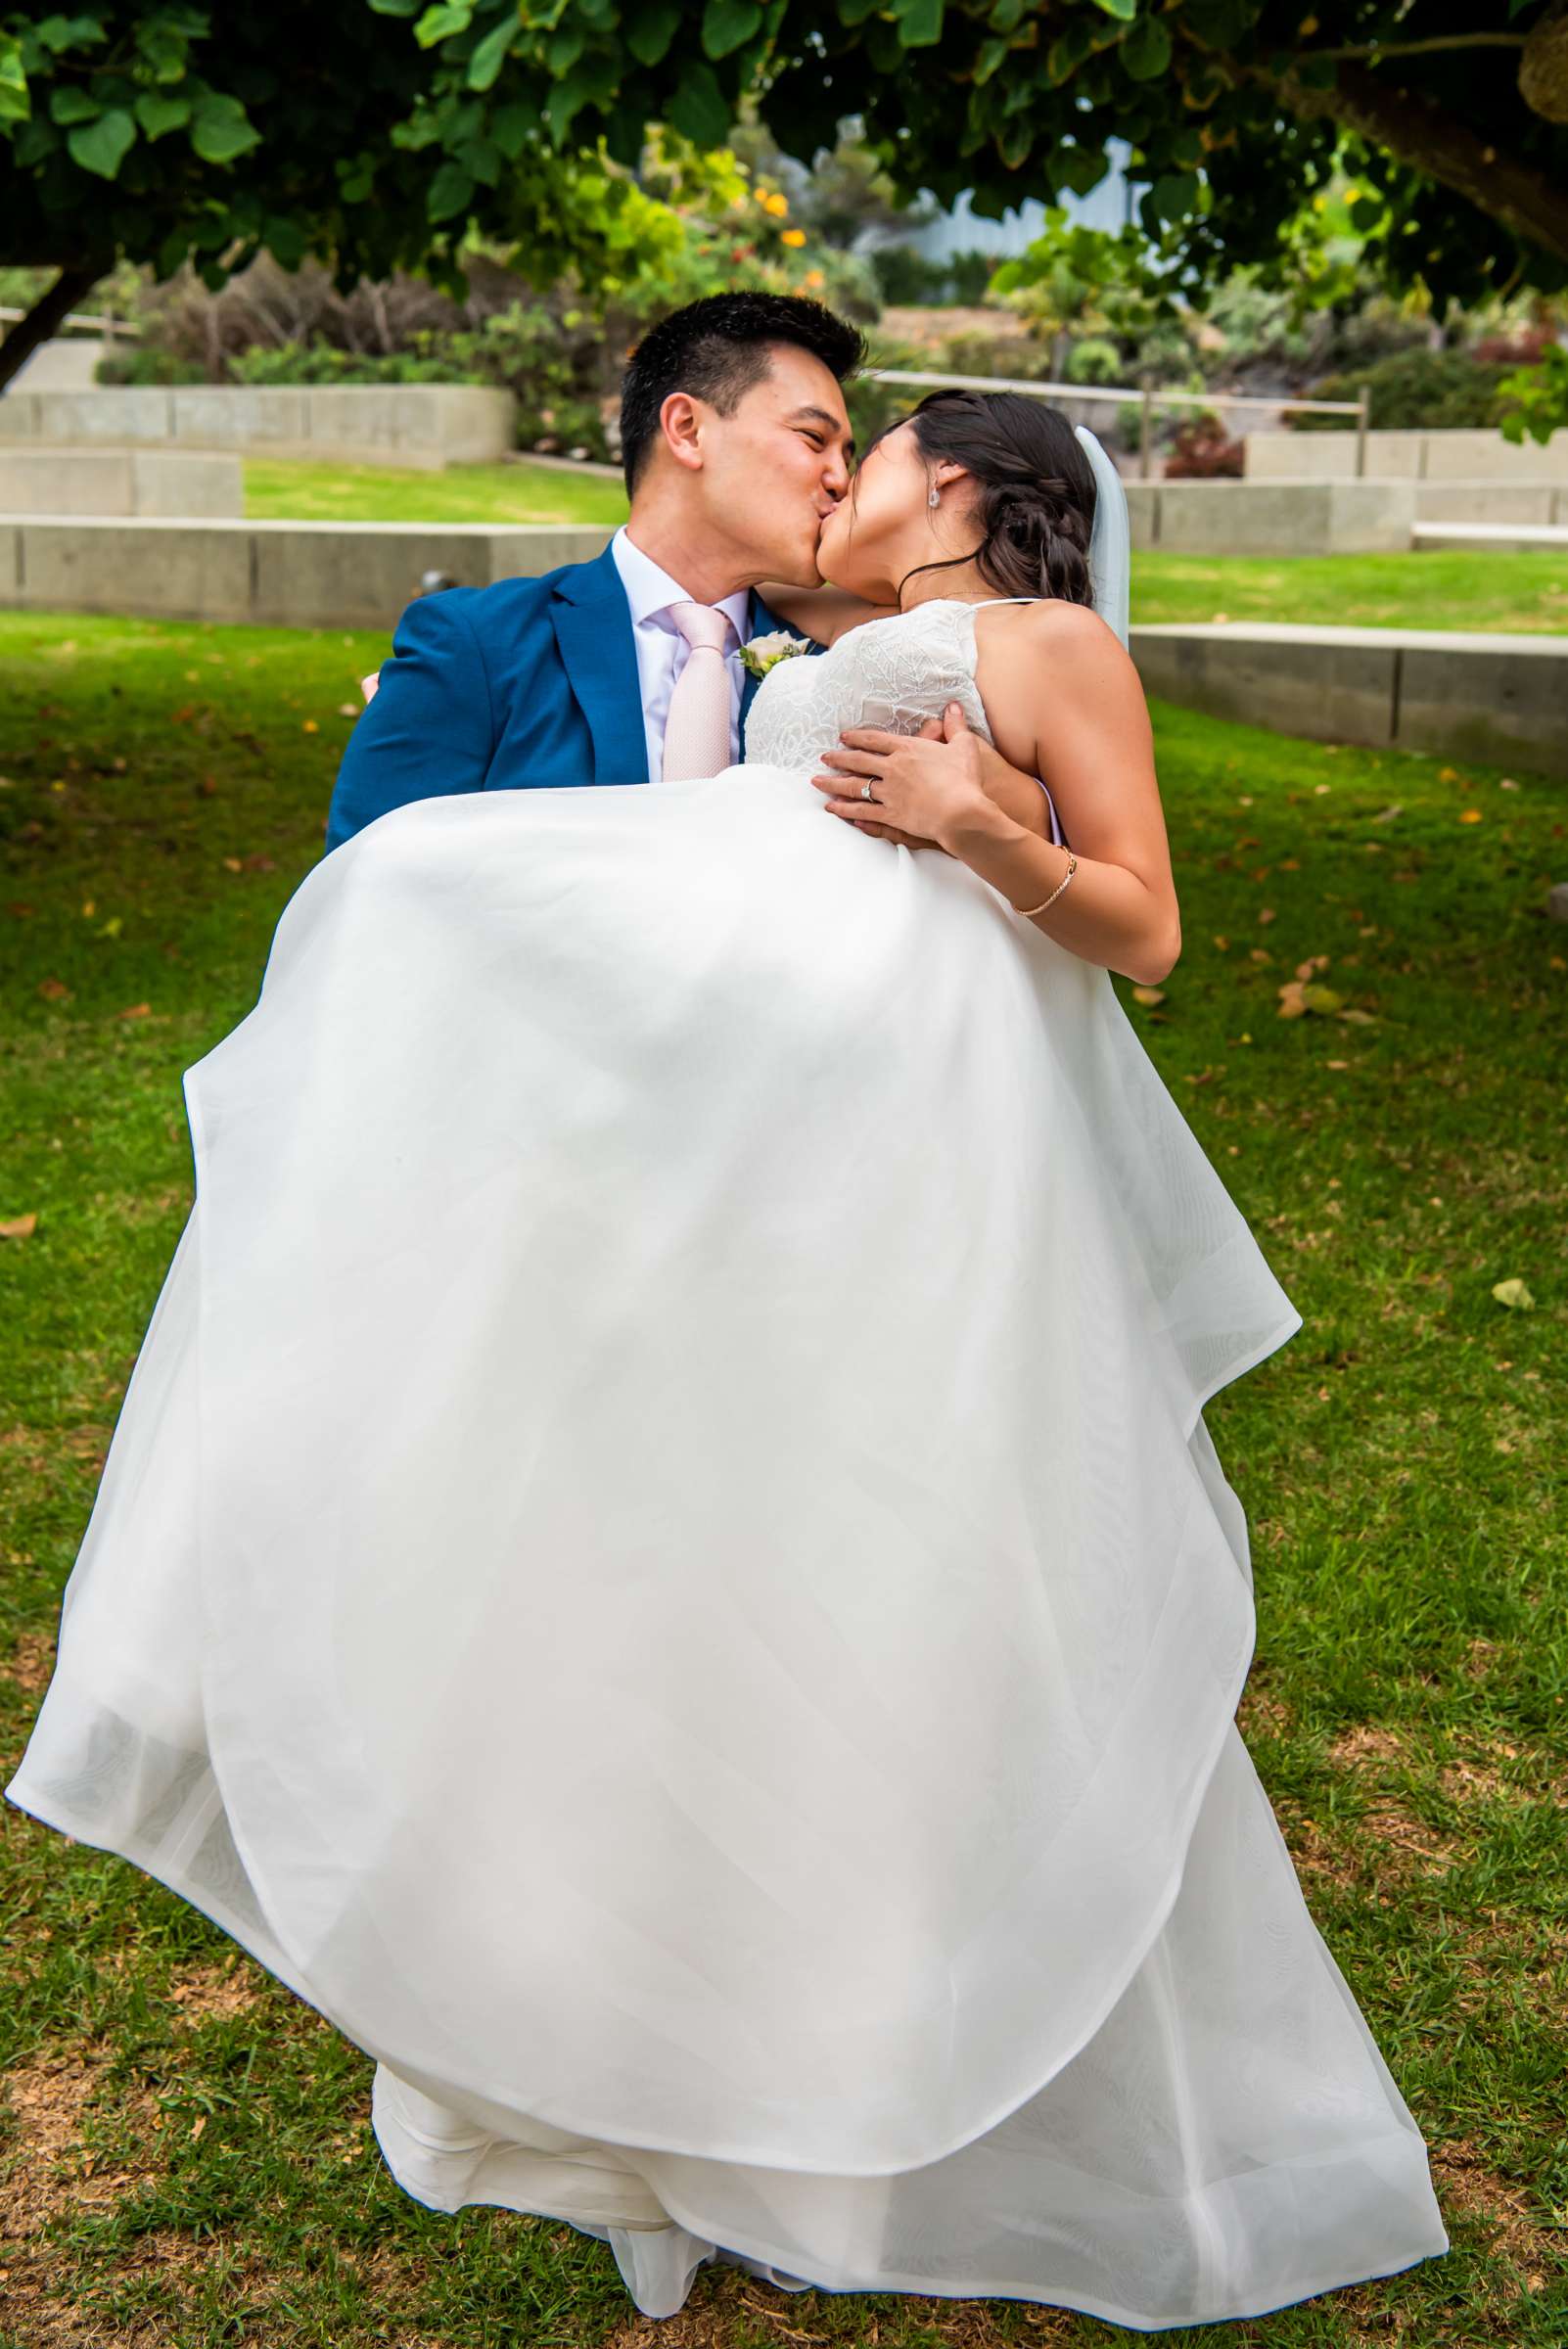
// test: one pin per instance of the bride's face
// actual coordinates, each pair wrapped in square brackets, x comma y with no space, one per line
[881,528]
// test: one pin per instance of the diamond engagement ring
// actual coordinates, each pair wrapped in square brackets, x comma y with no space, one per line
[865,790]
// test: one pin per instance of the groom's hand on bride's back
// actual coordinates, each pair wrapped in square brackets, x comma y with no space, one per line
[427,728]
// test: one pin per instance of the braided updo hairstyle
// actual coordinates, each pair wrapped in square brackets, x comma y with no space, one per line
[1034,490]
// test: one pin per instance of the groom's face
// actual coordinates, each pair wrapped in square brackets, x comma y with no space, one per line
[775,468]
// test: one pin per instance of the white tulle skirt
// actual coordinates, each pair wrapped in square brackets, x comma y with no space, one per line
[661,1566]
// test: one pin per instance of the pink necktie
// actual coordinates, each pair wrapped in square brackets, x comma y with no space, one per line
[697,728]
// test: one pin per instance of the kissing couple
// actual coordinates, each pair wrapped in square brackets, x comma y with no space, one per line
[661,1563]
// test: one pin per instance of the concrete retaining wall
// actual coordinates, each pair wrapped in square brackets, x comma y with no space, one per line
[1271,517]
[1498,698]
[120,481]
[1330,517]
[304,575]
[1502,699]
[421,424]
[1436,456]
[1496,505]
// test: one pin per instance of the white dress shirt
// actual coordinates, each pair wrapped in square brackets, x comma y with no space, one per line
[662,650]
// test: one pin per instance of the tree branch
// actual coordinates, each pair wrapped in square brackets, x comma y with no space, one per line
[1452,41]
[1419,133]
[74,283]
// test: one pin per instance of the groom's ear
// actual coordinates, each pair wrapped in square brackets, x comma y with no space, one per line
[680,424]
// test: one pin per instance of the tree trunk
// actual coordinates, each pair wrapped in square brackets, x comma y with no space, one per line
[72,286]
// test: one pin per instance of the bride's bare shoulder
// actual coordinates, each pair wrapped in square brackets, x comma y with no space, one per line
[1063,637]
[824,613]
[1047,620]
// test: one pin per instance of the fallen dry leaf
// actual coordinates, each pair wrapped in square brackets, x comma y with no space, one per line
[1267,914]
[19,1227]
[1148,995]
[54,991]
[135,1011]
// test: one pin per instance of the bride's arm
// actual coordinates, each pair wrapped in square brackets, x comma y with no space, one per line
[1062,693]
[824,613]
[1059,692]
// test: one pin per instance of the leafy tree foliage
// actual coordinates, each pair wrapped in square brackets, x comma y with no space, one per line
[377,130]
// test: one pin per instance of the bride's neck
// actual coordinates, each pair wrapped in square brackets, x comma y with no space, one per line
[952,581]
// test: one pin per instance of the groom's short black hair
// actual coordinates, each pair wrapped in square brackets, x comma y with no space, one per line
[716,349]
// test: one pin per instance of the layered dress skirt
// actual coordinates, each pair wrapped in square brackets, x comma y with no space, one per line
[662,1565]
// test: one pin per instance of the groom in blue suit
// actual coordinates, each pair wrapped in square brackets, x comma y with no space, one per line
[736,446]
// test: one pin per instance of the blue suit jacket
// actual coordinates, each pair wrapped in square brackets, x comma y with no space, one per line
[526,684]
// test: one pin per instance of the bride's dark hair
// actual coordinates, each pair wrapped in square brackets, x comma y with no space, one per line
[1033,489]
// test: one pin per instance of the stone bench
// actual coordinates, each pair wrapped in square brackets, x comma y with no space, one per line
[1502,699]
[1491,534]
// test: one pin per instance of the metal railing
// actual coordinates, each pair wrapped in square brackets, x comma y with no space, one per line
[107,325]
[1146,400]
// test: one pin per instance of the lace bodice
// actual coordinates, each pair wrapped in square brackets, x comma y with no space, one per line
[894,673]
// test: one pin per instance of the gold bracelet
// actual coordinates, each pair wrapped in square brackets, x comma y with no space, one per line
[1072,868]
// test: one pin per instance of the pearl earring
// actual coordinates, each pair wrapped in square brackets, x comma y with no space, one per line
[935,499]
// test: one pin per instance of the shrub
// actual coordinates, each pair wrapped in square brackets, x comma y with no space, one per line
[1536,396]
[1094,360]
[1203,451]
[992,355]
[146,363]
[906,277]
[1434,391]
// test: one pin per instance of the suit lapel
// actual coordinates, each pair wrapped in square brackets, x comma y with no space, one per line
[598,651]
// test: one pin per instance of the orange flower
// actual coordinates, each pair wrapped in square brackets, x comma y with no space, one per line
[792,236]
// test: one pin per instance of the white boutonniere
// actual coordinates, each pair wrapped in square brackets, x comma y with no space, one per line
[766,652]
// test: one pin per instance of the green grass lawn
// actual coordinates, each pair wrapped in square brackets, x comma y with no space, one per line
[277,491]
[1484,588]
[186,2158]
[1487,589]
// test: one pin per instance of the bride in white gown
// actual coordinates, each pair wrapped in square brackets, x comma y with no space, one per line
[663,1567]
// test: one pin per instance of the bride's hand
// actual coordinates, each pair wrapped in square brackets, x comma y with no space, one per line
[931,731]
[926,781]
